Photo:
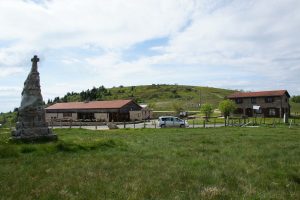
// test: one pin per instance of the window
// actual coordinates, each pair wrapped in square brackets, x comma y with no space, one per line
[272,112]
[177,120]
[269,99]
[67,114]
[253,100]
[258,111]
[239,101]
[86,116]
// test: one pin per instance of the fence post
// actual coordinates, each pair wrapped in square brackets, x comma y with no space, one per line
[96,126]
[79,123]
[239,122]
[273,122]
[215,123]
[124,124]
[193,123]
[144,123]
[60,124]
[260,121]
[204,123]
[225,121]
[134,124]
[154,124]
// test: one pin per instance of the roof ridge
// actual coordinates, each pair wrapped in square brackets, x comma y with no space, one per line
[259,93]
[91,104]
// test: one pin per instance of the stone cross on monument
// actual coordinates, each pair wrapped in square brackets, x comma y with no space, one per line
[31,124]
[34,61]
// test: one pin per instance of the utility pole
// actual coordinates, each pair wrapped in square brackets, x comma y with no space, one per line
[200,98]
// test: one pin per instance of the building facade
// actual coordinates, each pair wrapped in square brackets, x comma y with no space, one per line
[105,111]
[263,103]
[139,115]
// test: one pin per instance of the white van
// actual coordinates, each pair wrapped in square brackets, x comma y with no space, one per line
[171,121]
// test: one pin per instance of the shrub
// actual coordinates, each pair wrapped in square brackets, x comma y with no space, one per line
[207,110]
[227,107]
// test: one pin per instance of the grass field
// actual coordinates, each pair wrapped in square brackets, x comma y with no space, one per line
[220,163]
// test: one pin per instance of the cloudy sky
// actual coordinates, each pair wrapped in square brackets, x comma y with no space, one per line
[249,45]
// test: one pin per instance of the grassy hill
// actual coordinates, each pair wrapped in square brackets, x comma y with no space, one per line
[220,163]
[162,95]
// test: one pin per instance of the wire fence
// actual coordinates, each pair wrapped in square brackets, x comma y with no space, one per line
[212,122]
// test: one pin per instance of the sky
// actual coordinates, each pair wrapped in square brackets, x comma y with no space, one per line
[234,44]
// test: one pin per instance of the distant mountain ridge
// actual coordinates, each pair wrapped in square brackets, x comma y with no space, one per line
[162,96]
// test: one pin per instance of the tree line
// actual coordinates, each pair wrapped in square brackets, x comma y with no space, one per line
[95,94]
[295,99]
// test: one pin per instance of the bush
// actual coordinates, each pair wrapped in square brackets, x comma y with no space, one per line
[207,110]
[227,107]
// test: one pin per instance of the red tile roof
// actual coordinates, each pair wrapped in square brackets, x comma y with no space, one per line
[115,104]
[258,94]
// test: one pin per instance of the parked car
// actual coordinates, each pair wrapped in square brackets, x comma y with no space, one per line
[171,121]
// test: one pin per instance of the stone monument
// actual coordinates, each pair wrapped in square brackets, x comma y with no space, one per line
[31,125]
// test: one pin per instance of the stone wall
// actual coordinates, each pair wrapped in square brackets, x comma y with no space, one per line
[280,104]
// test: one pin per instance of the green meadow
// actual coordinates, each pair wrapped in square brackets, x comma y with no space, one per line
[211,163]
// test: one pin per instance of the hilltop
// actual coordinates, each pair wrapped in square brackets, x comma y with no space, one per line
[162,96]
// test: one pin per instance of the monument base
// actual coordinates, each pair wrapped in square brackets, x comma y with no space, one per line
[37,134]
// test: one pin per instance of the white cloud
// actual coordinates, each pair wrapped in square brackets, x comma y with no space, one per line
[109,24]
[8,71]
[225,43]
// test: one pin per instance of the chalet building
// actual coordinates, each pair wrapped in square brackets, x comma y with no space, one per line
[263,103]
[116,110]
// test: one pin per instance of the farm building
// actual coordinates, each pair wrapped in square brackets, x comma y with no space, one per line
[116,110]
[262,103]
